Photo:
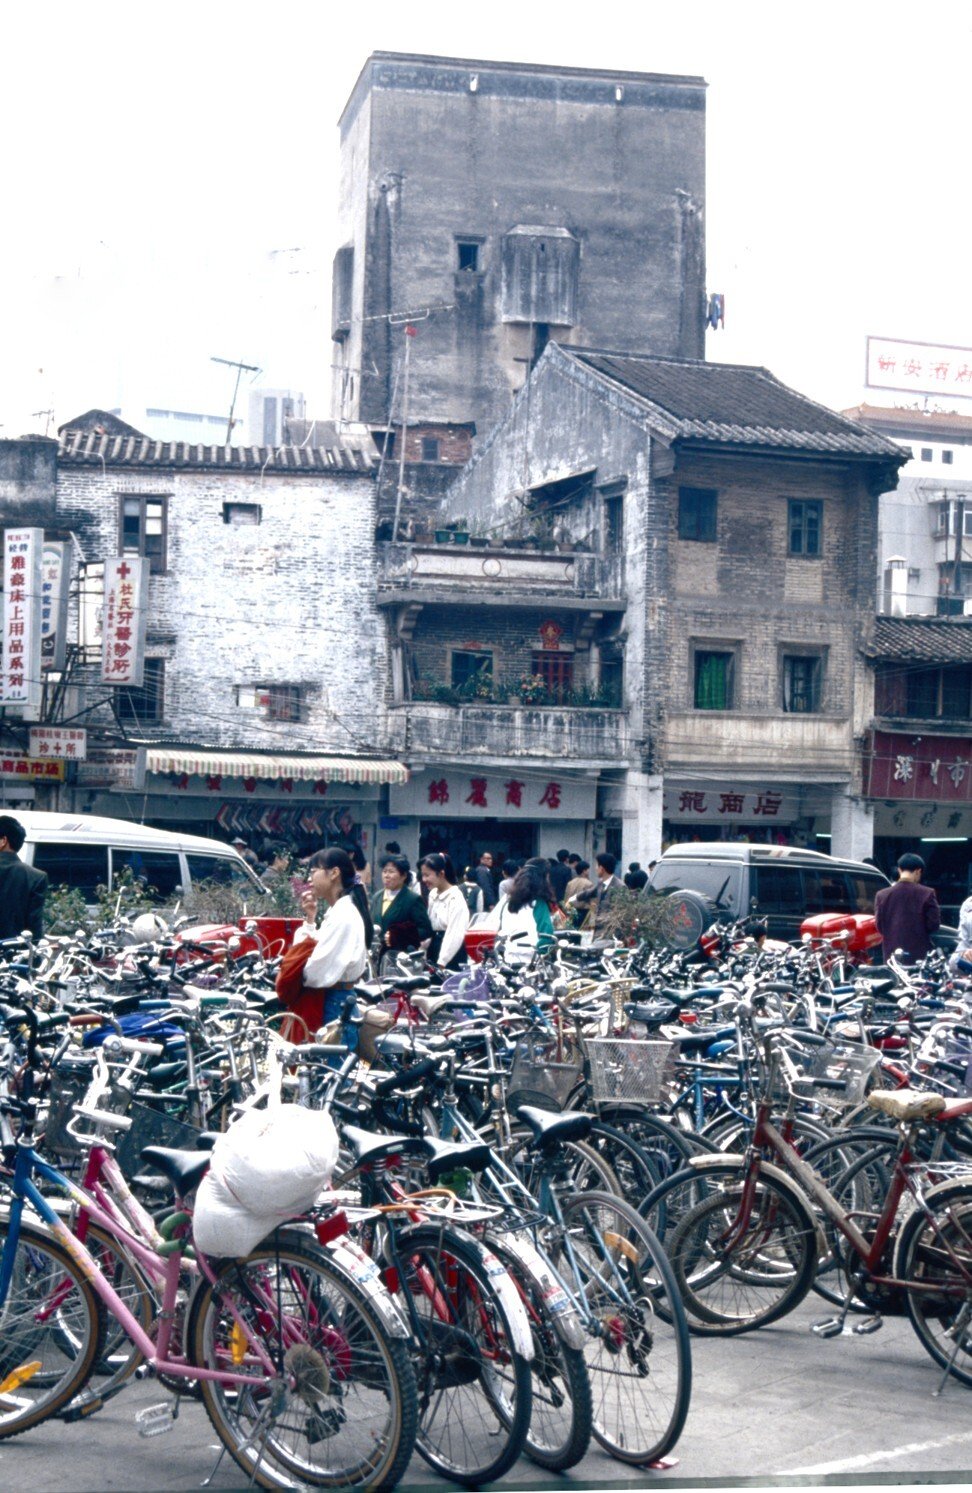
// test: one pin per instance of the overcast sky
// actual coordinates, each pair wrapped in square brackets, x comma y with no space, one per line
[170,176]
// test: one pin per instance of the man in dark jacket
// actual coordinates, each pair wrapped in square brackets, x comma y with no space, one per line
[22,889]
[484,878]
[907,914]
[560,874]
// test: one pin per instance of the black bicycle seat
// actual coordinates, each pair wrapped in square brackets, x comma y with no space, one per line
[367,1147]
[551,1129]
[184,1169]
[448,1156]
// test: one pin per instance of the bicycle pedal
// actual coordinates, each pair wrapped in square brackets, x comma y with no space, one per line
[155,1420]
[869,1324]
[81,1408]
[829,1327]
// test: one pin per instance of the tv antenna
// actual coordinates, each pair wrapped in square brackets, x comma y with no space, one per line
[241,368]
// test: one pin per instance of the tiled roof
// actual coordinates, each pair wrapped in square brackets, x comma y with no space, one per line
[913,423]
[732,404]
[88,448]
[929,640]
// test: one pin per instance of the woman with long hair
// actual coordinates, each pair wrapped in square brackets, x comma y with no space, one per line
[531,894]
[447,910]
[341,955]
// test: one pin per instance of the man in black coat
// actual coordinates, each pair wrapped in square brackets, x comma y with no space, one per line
[22,889]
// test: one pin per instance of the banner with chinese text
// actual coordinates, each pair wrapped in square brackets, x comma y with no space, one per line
[929,769]
[67,742]
[19,765]
[20,676]
[54,605]
[923,367]
[726,803]
[463,793]
[124,620]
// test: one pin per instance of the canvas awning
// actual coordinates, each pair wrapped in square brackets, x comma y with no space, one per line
[253,765]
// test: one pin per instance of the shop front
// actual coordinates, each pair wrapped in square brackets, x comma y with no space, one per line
[767,812]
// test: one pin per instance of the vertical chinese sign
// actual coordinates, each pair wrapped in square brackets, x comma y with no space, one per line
[20,679]
[54,605]
[124,620]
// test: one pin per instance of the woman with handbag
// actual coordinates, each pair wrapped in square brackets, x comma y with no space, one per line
[334,956]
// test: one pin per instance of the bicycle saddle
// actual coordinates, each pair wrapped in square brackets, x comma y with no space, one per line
[907,1104]
[367,1147]
[184,1169]
[551,1129]
[447,1156]
[699,1041]
[429,1004]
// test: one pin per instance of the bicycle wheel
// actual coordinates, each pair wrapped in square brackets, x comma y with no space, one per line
[734,1272]
[119,1357]
[933,1258]
[52,1331]
[635,1170]
[638,1354]
[474,1387]
[342,1411]
[585,1167]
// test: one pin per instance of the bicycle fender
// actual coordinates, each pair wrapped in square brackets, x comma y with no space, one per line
[939,1194]
[351,1258]
[505,1287]
[733,1162]
[563,1312]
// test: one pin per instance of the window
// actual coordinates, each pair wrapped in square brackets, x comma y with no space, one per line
[82,867]
[947,458]
[143,529]
[470,669]
[612,680]
[614,523]
[697,508]
[926,453]
[282,701]
[241,515]
[143,705]
[468,252]
[779,891]
[556,669]
[714,680]
[944,694]
[801,683]
[805,517]
[219,868]
[430,448]
[157,870]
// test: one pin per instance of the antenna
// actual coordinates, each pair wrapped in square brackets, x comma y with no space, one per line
[240,367]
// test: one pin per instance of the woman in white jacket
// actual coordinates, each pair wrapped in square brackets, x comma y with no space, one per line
[340,956]
[448,912]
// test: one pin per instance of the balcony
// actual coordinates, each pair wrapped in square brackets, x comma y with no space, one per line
[418,574]
[569,736]
[806,744]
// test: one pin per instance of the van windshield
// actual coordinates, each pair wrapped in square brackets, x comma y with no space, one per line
[714,879]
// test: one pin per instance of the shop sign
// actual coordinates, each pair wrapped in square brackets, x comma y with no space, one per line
[460,793]
[928,769]
[115,768]
[124,621]
[922,367]
[69,742]
[54,605]
[20,765]
[723,804]
[281,789]
[20,676]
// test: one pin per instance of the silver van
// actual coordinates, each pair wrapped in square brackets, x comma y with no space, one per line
[85,851]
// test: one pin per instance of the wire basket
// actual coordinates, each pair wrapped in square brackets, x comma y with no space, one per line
[836,1074]
[150,1127]
[543,1073]
[629,1072]
[68,1087]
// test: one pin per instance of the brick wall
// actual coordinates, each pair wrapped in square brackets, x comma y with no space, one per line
[513,637]
[288,601]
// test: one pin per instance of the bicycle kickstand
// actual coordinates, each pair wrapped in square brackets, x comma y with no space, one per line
[958,1333]
[834,1326]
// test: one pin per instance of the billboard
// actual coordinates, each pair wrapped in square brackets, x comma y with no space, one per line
[20,678]
[919,367]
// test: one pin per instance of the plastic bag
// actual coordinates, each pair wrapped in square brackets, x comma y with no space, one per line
[269,1167]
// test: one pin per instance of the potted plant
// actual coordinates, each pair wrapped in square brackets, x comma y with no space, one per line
[533,689]
[479,541]
[460,530]
[442,536]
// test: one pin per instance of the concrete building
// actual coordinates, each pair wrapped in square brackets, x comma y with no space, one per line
[490,207]
[696,611]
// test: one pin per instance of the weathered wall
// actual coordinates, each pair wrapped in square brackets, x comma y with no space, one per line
[289,601]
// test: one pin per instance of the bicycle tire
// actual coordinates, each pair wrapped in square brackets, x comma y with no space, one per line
[634,1168]
[119,1357]
[940,1303]
[367,1445]
[763,1274]
[474,1388]
[66,1338]
[588,1169]
[638,1331]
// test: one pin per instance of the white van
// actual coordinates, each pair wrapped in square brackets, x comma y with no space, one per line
[85,851]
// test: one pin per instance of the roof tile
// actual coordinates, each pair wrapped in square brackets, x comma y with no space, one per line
[87,447]
[933,640]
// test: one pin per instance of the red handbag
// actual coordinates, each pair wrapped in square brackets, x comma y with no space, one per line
[289,984]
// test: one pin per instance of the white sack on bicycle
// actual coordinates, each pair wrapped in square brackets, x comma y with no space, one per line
[270,1166]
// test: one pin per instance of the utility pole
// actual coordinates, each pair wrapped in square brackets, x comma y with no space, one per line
[240,369]
[409,334]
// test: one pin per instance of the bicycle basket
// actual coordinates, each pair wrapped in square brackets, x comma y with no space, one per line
[150,1127]
[629,1072]
[467,986]
[542,1074]
[838,1073]
[68,1087]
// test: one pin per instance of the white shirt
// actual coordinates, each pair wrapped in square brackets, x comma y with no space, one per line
[449,916]
[340,957]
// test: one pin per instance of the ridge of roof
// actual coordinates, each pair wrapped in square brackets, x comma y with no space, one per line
[922,639]
[89,447]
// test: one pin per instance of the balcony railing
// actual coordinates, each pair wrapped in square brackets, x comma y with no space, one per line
[499,732]
[445,568]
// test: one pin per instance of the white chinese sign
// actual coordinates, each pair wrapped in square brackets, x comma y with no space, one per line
[726,804]
[922,367]
[54,605]
[20,679]
[70,743]
[453,792]
[124,620]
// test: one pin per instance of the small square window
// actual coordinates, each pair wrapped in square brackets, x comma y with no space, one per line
[697,514]
[805,520]
[801,683]
[283,702]
[143,523]
[468,252]
[947,458]
[471,671]
[430,448]
[714,680]
[143,705]
[242,515]
[926,453]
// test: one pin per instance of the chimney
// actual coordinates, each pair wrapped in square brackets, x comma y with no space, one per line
[895,603]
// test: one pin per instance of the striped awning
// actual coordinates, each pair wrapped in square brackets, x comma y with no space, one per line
[252,765]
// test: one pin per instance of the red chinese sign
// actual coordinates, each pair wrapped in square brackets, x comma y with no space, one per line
[19,765]
[927,769]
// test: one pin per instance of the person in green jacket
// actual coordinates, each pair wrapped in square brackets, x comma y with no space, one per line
[399,914]
[531,888]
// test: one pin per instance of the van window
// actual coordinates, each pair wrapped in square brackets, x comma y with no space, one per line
[158,869]
[826,891]
[715,880]
[218,868]
[778,890]
[863,891]
[82,867]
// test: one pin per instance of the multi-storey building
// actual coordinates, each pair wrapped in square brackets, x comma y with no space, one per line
[489,207]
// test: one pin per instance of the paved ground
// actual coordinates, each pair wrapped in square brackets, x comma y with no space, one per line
[778,1405]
